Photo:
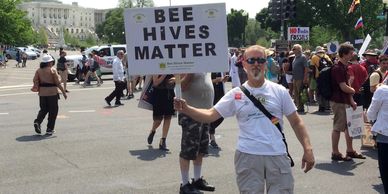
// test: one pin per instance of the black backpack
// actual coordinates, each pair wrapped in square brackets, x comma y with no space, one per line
[324,83]
[323,62]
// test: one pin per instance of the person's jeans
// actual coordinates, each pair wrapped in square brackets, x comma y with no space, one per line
[48,104]
[382,150]
[119,87]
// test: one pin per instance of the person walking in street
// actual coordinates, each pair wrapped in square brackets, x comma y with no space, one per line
[260,142]
[234,69]
[24,58]
[299,75]
[219,91]
[377,76]
[357,76]
[93,64]
[319,61]
[163,107]
[340,100]
[197,89]
[378,113]
[128,78]
[118,78]
[62,69]
[18,58]
[48,82]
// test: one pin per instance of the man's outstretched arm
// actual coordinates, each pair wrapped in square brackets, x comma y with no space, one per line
[200,115]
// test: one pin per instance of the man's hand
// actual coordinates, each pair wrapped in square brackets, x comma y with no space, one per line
[65,95]
[354,105]
[308,160]
[180,104]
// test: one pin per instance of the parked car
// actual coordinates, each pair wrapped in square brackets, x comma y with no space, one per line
[11,52]
[37,51]
[107,52]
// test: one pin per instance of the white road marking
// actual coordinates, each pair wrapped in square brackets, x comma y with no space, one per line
[71,90]
[15,86]
[81,111]
[4,113]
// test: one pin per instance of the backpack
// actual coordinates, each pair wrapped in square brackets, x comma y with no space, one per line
[324,83]
[323,62]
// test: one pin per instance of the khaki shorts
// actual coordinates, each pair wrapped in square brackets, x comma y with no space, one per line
[63,75]
[339,111]
[256,172]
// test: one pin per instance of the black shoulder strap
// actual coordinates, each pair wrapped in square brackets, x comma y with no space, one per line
[272,118]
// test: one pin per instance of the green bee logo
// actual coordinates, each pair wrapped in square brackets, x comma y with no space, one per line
[162,65]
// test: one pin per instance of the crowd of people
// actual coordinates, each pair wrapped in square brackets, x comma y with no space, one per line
[266,86]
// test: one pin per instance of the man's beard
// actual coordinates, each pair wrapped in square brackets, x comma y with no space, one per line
[255,75]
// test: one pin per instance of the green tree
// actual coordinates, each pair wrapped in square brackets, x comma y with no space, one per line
[334,14]
[252,32]
[15,27]
[125,3]
[237,20]
[42,38]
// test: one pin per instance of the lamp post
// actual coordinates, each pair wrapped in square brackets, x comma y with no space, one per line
[386,19]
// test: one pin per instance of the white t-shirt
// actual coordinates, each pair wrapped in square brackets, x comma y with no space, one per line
[258,135]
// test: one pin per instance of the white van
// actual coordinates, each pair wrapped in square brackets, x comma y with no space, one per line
[107,52]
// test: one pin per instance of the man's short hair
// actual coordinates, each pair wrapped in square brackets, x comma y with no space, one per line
[345,49]
[257,48]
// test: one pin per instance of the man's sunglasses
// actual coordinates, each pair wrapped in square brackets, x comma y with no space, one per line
[259,60]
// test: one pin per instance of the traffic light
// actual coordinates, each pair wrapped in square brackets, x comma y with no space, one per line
[274,9]
[282,9]
[289,9]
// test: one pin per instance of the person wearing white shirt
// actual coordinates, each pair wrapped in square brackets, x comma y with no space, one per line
[378,111]
[118,78]
[261,153]
[234,71]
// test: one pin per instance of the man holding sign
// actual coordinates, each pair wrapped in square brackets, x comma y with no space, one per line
[260,140]
[186,40]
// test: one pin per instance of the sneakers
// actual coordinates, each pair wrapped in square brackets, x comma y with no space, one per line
[130,96]
[50,131]
[188,189]
[213,144]
[37,128]
[201,184]
[119,104]
[151,137]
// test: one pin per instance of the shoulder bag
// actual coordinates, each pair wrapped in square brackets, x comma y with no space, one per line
[272,118]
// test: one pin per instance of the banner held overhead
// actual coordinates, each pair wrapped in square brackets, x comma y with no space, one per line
[178,39]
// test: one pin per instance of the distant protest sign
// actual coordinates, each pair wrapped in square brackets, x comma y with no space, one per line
[298,33]
[332,47]
[177,39]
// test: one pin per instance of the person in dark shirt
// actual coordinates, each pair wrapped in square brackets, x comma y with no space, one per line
[339,101]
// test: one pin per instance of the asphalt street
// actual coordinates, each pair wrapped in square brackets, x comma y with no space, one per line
[101,149]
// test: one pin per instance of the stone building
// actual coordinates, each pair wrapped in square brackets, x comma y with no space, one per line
[53,15]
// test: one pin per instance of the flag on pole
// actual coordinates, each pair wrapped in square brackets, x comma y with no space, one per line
[353,6]
[359,24]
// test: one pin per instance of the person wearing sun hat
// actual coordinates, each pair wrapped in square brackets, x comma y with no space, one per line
[48,82]
[371,64]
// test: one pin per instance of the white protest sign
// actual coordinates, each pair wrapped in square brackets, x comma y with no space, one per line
[365,45]
[298,33]
[355,121]
[177,39]
[332,47]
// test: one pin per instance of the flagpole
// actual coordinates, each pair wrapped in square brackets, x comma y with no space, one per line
[363,24]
